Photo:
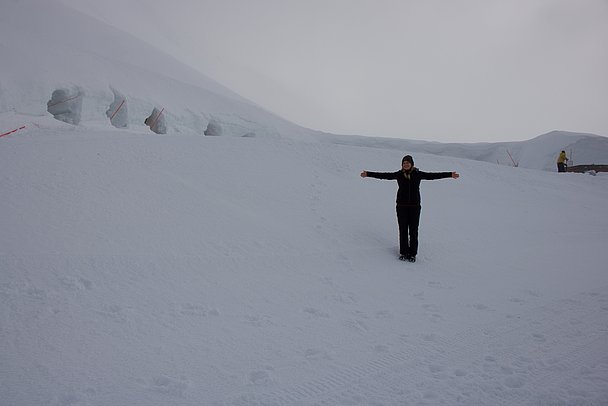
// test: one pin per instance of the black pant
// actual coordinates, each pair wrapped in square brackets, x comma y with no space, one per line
[561,167]
[409,219]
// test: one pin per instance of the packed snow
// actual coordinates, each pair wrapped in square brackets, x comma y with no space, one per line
[151,270]
[256,267]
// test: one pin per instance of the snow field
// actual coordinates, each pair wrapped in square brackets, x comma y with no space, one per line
[151,270]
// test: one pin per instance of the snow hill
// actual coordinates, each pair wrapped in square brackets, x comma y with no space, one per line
[538,153]
[47,47]
[140,269]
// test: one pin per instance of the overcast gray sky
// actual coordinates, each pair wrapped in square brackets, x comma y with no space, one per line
[443,70]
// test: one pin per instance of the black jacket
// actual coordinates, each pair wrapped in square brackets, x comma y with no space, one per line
[409,186]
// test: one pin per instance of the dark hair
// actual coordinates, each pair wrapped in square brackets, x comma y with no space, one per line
[409,159]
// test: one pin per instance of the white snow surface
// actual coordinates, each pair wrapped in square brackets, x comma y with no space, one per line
[179,269]
[140,269]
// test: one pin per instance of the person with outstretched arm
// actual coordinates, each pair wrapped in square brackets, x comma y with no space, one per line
[408,202]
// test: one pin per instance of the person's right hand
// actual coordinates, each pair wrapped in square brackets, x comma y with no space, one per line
[364,174]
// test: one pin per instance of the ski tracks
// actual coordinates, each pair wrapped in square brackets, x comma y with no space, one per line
[553,354]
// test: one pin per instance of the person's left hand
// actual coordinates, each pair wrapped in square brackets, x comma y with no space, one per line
[455,175]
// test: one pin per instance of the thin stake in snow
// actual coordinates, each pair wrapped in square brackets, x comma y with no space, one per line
[156,118]
[515,164]
[64,101]
[119,107]
[13,131]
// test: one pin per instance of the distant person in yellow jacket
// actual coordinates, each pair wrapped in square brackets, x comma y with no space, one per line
[562,160]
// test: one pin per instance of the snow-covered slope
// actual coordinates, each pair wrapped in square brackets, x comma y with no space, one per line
[138,269]
[538,153]
[45,46]
[145,270]
[48,46]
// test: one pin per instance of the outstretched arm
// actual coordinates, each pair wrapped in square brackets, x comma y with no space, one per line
[380,175]
[438,175]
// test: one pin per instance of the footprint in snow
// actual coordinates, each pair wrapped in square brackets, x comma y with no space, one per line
[261,377]
[460,372]
[113,312]
[75,284]
[316,313]
[71,399]
[539,338]
[532,293]
[431,307]
[383,349]
[190,309]
[515,382]
[356,325]
[169,386]
[384,314]
[314,354]
[259,321]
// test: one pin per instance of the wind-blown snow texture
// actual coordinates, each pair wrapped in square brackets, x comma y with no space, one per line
[150,270]
[138,269]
